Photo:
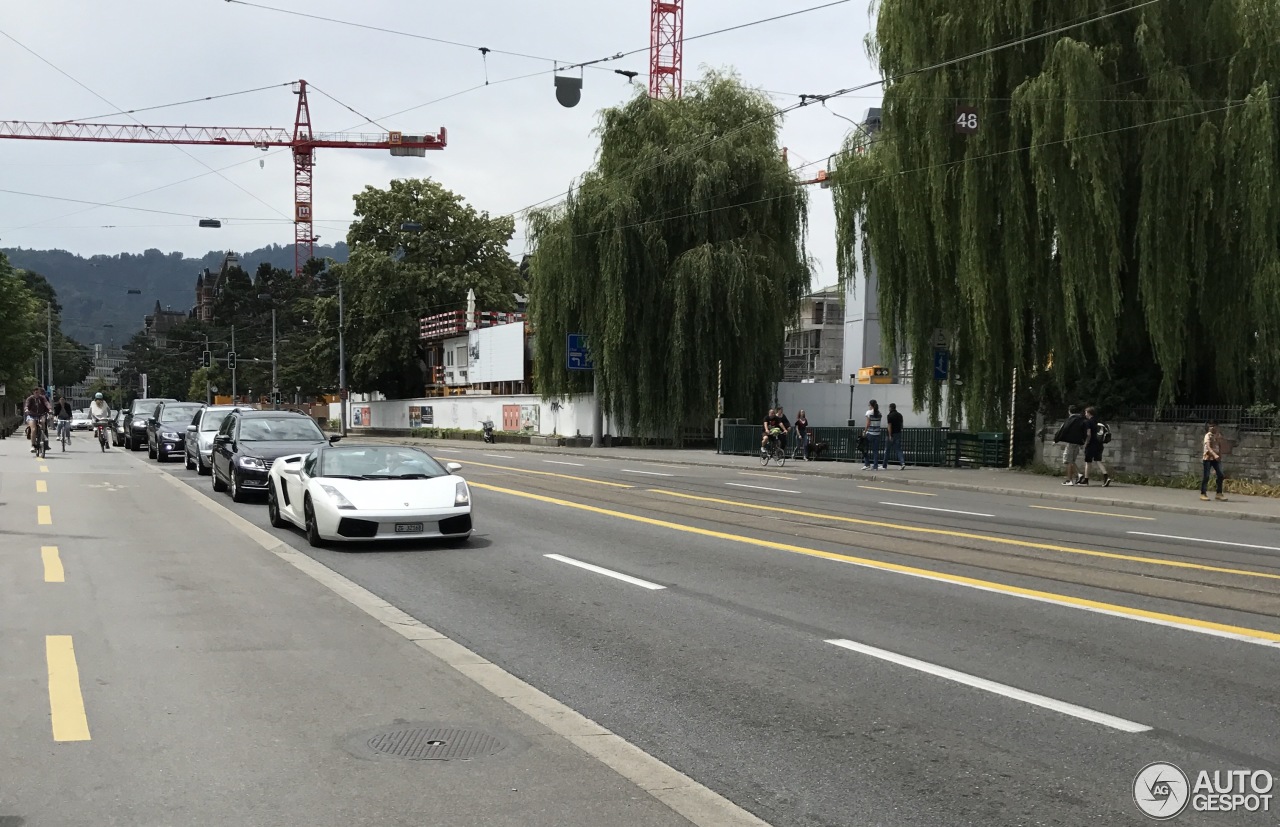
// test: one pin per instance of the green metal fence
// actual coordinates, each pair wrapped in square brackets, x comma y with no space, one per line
[920,446]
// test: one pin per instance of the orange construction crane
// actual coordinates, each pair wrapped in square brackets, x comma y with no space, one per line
[302,141]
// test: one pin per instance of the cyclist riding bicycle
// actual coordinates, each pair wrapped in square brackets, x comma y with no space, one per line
[100,411]
[773,430]
[62,413]
[35,409]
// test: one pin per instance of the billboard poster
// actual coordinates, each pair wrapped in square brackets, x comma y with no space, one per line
[529,415]
[415,416]
[428,417]
[496,354]
[510,417]
[360,415]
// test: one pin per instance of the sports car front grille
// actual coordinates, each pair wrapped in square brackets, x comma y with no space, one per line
[456,525]
[352,527]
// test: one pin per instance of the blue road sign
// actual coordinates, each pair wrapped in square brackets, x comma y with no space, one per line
[579,357]
[941,362]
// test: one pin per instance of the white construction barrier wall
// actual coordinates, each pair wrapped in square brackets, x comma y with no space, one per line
[527,413]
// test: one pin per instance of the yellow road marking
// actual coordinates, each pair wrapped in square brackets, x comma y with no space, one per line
[66,704]
[1099,513]
[44,469]
[542,473]
[53,572]
[770,476]
[898,491]
[43,515]
[1129,612]
[965,535]
[42,487]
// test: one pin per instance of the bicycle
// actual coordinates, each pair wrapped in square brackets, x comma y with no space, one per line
[100,427]
[64,432]
[39,438]
[773,449]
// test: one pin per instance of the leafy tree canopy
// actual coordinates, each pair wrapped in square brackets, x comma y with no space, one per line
[683,247]
[21,333]
[1114,223]
[395,276]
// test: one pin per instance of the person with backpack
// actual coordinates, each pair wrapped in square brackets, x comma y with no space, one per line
[1072,433]
[1096,435]
[1212,455]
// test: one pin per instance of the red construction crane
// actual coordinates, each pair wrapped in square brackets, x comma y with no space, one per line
[302,141]
[666,49]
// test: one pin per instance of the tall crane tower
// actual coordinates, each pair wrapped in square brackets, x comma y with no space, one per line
[666,49]
[302,141]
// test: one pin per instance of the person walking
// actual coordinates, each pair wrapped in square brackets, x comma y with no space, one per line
[874,437]
[801,426]
[1093,446]
[1072,433]
[894,422]
[1212,456]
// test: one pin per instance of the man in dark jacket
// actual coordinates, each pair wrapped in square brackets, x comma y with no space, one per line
[1073,433]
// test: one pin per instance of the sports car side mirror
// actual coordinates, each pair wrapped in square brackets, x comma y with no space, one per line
[453,467]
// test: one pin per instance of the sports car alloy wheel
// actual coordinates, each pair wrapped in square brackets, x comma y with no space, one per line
[313,531]
[273,509]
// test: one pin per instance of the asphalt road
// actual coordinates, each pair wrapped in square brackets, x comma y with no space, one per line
[832,653]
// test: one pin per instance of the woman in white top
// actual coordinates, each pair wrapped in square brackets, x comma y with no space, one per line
[873,455]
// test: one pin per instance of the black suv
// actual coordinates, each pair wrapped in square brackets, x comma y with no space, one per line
[249,441]
[135,421]
[167,429]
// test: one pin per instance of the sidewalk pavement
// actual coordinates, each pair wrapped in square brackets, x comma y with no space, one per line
[1006,482]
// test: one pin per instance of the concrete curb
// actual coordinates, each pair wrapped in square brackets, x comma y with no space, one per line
[804,470]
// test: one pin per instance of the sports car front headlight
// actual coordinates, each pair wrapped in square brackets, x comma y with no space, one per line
[252,462]
[463,494]
[338,499]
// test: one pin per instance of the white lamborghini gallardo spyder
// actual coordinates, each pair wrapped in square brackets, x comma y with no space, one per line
[369,492]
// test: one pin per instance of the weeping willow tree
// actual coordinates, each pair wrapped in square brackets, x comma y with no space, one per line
[681,250]
[1113,226]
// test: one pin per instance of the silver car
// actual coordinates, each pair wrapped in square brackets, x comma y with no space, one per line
[200,433]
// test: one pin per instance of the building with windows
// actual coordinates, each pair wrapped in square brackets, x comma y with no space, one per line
[106,365]
[160,321]
[814,349]
[208,285]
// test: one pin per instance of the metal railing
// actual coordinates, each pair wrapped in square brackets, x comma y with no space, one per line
[1253,418]
[940,447]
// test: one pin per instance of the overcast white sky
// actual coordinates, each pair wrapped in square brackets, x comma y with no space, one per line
[510,144]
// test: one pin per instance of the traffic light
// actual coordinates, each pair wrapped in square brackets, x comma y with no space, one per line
[208,359]
[231,360]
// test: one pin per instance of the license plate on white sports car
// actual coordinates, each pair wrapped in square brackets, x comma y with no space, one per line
[408,528]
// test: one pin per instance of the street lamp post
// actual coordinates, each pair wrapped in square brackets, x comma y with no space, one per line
[342,366]
[275,388]
[49,343]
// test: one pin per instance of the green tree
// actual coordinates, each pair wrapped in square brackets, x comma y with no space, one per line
[396,276]
[21,333]
[672,254]
[1113,226]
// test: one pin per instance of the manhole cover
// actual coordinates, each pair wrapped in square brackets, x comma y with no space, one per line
[435,743]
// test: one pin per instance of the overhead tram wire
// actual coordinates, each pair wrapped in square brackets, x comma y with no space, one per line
[102,98]
[139,209]
[178,103]
[808,100]
[945,165]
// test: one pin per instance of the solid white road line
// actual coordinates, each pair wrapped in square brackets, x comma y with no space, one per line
[947,510]
[762,488]
[650,473]
[626,578]
[448,450]
[770,476]
[1065,708]
[499,456]
[558,462]
[1203,540]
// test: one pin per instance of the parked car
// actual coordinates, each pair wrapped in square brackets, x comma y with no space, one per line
[369,492]
[167,430]
[117,428]
[199,435]
[248,442]
[135,421]
[80,420]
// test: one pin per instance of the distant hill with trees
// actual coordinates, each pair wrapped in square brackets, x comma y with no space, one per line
[94,291]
